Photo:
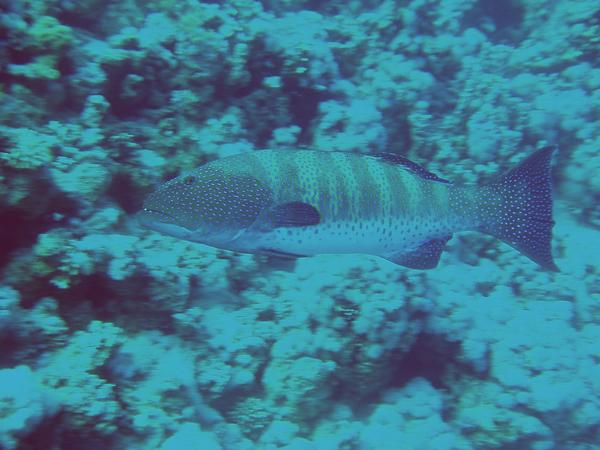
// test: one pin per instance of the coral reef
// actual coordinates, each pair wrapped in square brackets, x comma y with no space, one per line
[113,336]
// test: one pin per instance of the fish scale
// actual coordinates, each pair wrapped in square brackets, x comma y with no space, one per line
[378,174]
[304,202]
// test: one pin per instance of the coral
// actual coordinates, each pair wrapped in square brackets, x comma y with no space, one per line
[340,430]
[158,30]
[44,42]
[307,59]
[151,365]
[583,188]
[37,44]
[41,68]
[223,135]
[252,414]
[279,433]
[27,333]
[518,362]
[487,413]
[27,149]
[70,373]
[24,403]
[489,134]
[96,107]
[48,34]
[86,180]
[190,436]
[411,416]
[356,126]
[299,387]
[545,385]
[285,136]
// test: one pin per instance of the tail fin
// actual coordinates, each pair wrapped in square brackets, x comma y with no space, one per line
[523,217]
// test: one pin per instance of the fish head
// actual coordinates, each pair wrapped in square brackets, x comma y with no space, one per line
[210,205]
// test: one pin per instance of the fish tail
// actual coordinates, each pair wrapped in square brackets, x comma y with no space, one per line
[522,212]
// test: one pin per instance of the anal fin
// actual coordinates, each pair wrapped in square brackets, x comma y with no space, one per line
[273,259]
[274,253]
[426,256]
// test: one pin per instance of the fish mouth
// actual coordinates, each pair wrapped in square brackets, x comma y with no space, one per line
[163,223]
[149,216]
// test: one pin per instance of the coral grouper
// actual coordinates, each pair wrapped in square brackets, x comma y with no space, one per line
[300,203]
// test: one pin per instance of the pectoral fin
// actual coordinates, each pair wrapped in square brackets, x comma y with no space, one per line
[292,214]
[426,256]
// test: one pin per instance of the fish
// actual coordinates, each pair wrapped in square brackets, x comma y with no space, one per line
[300,203]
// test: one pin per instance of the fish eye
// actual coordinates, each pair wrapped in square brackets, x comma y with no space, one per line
[189,180]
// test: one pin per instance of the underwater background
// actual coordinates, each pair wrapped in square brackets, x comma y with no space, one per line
[116,337]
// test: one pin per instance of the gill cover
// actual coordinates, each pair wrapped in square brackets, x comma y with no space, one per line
[208,198]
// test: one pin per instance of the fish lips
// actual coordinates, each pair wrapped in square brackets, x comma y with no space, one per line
[162,222]
[149,217]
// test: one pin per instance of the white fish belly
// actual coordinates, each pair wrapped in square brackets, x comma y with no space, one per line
[372,237]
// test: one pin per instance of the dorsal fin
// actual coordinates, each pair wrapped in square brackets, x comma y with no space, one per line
[417,169]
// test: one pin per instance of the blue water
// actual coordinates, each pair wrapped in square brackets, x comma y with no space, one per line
[116,337]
